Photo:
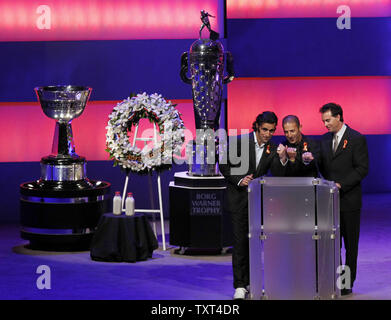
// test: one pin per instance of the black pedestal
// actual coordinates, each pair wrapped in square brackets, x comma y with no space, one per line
[123,238]
[61,219]
[197,217]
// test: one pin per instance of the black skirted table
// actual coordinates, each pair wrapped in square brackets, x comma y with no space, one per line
[123,238]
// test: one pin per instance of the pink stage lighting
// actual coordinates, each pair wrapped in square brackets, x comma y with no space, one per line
[50,20]
[257,9]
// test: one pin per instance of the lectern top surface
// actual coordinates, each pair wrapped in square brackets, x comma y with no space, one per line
[293,181]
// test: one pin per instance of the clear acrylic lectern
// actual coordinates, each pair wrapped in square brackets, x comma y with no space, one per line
[294,238]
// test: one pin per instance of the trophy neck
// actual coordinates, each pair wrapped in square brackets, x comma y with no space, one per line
[63,145]
[64,121]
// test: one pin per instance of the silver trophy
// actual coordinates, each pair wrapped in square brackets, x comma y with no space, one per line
[63,104]
[206,60]
[61,210]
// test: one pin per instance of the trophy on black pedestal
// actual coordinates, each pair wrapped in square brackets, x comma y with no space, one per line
[61,210]
[197,218]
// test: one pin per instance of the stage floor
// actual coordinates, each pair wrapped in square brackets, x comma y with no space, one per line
[170,276]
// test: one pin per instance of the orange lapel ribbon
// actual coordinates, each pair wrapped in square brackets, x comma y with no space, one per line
[268,149]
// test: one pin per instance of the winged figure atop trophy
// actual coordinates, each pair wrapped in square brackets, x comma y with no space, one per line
[205,23]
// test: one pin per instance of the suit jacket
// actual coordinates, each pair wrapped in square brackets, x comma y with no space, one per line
[298,168]
[236,169]
[348,166]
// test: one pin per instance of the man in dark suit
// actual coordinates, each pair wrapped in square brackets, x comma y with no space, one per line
[250,156]
[301,151]
[344,160]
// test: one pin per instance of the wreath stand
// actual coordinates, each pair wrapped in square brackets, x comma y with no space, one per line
[159,186]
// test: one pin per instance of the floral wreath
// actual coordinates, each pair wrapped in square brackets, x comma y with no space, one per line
[128,113]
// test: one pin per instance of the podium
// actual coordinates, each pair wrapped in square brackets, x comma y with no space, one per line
[294,238]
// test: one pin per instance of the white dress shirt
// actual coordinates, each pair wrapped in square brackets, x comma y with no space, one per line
[339,135]
[258,153]
[258,150]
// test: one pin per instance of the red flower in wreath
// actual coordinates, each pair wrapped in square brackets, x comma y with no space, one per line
[345,143]
[305,146]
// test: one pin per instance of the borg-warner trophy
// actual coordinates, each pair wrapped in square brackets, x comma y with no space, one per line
[61,209]
[206,59]
[197,215]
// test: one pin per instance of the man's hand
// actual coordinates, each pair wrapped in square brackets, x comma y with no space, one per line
[246,180]
[307,157]
[291,153]
[338,185]
[281,150]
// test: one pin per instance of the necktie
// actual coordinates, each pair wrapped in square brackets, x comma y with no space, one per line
[335,143]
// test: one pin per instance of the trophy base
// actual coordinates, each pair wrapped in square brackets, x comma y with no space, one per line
[63,168]
[62,159]
[50,185]
[203,159]
[64,189]
[204,170]
[183,179]
[62,216]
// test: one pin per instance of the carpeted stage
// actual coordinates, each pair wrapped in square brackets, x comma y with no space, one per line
[169,276]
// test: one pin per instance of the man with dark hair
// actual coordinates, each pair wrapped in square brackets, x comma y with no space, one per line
[344,160]
[301,151]
[255,154]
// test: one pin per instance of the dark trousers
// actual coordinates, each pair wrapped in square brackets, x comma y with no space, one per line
[240,252]
[350,233]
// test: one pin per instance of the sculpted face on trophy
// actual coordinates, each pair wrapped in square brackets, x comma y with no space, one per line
[206,59]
